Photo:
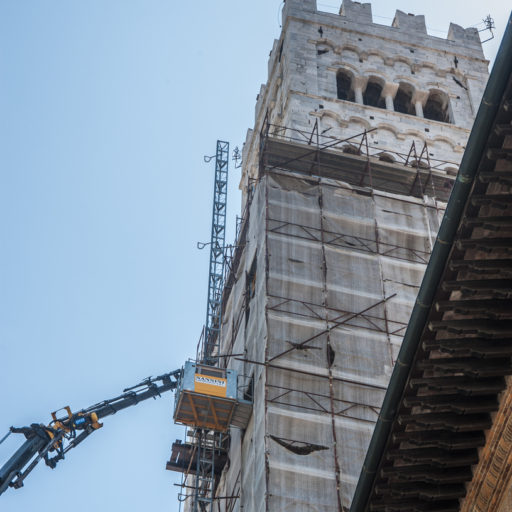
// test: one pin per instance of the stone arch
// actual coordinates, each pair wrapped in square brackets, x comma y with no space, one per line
[345,85]
[408,80]
[324,45]
[431,67]
[445,140]
[350,53]
[329,115]
[403,98]
[388,135]
[360,120]
[388,127]
[410,134]
[344,65]
[373,93]
[376,53]
[437,106]
[400,62]
[349,47]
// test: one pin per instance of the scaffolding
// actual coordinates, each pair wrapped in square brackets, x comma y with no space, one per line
[331,249]
[364,220]
[356,161]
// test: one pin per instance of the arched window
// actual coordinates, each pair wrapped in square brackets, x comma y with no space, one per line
[344,86]
[436,107]
[373,94]
[403,99]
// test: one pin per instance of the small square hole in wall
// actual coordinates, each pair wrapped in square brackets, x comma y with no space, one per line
[320,106]
[427,130]
[412,51]
[359,39]
[360,60]
[371,117]
[458,97]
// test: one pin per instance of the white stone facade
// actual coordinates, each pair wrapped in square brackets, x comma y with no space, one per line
[314,46]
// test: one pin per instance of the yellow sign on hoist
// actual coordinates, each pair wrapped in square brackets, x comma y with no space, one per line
[208,385]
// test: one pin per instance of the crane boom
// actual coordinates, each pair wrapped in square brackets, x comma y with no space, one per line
[66,432]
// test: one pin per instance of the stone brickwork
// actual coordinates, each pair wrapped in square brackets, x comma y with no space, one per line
[315,47]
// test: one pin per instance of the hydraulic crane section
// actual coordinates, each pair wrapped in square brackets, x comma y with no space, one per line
[218,235]
[64,433]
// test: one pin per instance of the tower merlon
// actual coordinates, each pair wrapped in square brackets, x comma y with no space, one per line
[408,21]
[407,27]
[356,11]
[467,36]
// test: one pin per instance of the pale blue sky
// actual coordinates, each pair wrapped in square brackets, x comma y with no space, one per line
[106,110]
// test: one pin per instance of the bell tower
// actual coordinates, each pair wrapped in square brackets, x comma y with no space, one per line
[358,134]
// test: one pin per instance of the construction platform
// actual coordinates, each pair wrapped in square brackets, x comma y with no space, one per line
[183,457]
[207,398]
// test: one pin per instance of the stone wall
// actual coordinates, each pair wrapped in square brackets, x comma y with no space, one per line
[315,46]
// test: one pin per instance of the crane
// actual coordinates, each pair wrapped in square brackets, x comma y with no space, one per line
[51,442]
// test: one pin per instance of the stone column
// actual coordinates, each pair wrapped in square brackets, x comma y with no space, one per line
[419,99]
[359,83]
[419,108]
[389,93]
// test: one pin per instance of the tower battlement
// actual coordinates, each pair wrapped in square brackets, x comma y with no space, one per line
[361,13]
[347,74]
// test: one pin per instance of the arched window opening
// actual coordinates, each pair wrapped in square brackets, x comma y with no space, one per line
[344,86]
[436,107]
[373,94]
[403,99]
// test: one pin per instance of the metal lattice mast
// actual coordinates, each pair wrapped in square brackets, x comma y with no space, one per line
[215,280]
[208,442]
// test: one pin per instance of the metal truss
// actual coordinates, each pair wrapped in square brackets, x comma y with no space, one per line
[207,445]
[217,246]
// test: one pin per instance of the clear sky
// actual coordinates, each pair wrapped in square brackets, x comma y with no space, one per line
[106,110]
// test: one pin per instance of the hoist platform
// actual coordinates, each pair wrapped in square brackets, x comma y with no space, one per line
[208,398]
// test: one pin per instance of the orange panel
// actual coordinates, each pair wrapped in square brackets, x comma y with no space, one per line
[207,385]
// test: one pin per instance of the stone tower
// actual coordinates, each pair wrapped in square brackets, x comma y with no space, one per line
[358,134]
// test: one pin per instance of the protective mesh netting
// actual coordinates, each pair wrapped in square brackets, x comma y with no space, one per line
[337,273]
